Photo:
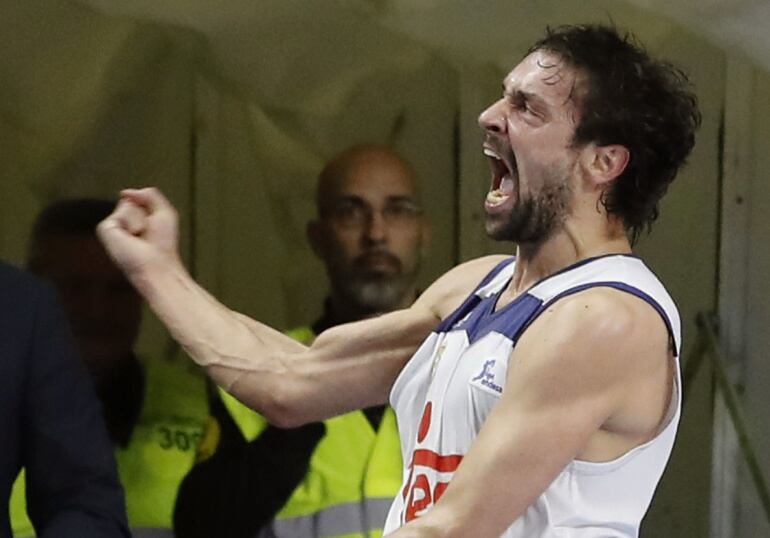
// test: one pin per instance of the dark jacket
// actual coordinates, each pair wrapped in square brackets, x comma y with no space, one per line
[51,422]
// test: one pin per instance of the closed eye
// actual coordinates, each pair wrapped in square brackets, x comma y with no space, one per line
[520,102]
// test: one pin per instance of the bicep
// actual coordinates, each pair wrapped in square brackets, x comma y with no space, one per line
[523,445]
[364,358]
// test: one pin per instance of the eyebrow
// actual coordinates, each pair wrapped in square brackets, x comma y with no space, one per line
[353,198]
[348,198]
[526,96]
[403,198]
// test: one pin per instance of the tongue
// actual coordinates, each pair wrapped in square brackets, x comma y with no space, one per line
[506,184]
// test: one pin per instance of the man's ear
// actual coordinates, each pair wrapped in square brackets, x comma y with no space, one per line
[605,163]
[316,237]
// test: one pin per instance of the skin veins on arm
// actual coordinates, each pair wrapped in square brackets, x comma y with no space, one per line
[570,374]
[347,367]
[286,381]
[293,384]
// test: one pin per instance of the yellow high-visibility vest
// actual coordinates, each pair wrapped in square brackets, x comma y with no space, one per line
[353,475]
[162,449]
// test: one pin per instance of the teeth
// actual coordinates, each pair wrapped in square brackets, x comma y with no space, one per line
[489,153]
[496,197]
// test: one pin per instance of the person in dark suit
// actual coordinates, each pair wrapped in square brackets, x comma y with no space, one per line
[50,421]
[155,408]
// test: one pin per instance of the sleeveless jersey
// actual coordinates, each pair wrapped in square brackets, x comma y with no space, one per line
[448,388]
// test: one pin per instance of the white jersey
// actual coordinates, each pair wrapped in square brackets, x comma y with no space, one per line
[448,388]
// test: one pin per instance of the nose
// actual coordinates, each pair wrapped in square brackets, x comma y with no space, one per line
[493,118]
[376,228]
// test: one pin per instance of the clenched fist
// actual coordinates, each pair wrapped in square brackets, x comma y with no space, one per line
[142,233]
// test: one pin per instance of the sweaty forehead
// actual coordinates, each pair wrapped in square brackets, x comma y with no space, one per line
[544,75]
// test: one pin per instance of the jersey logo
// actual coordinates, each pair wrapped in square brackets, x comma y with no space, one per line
[487,377]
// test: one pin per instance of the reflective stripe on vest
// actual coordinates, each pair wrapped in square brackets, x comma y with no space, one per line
[338,520]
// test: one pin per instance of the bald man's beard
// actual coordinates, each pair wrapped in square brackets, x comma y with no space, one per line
[374,292]
[379,294]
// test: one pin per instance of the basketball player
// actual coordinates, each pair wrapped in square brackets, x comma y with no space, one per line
[536,396]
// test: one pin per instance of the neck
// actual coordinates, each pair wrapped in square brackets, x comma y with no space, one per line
[571,244]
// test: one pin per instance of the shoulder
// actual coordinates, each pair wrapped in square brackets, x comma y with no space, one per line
[451,288]
[604,324]
[606,309]
[14,281]
[22,294]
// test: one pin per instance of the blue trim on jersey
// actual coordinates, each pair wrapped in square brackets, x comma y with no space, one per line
[608,284]
[463,310]
[583,262]
[477,315]
[472,300]
[506,321]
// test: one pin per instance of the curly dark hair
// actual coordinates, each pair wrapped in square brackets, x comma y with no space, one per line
[645,105]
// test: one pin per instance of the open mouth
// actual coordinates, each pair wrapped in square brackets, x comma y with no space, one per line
[504,178]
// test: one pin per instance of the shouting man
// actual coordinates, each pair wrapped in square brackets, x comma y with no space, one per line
[536,396]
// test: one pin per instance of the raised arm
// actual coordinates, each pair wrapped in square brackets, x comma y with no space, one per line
[589,380]
[348,367]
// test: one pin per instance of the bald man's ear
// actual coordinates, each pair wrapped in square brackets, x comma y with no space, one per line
[605,163]
[316,238]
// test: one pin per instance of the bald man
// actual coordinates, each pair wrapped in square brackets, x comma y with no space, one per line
[335,478]
[369,234]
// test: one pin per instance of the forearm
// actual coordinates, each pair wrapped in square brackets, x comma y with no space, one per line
[348,367]
[429,526]
[227,344]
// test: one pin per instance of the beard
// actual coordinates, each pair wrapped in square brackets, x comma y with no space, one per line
[375,290]
[533,221]
[378,294]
